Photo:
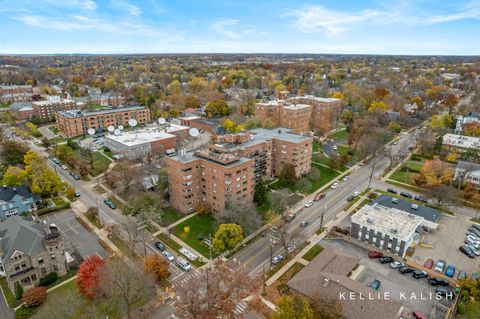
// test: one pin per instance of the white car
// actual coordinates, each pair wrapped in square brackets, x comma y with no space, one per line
[475,251]
[396,264]
[64,166]
[335,147]
[334,185]
[277,259]
[346,178]
[168,255]
[290,249]
[309,204]
[473,238]
[356,194]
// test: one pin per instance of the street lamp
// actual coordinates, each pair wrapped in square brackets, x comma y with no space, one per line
[271,253]
[323,213]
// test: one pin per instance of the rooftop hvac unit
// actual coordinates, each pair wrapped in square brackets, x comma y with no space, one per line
[369,220]
[394,230]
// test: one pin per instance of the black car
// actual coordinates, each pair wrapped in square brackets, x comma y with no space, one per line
[350,198]
[159,246]
[444,292]
[476,226]
[405,270]
[385,260]
[420,198]
[467,251]
[433,281]
[405,194]
[391,190]
[109,203]
[417,274]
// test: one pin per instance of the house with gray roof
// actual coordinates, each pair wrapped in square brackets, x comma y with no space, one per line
[468,172]
[17,200]
[30,250]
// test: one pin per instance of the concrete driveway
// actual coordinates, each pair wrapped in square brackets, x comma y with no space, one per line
[45,130]
[75,235]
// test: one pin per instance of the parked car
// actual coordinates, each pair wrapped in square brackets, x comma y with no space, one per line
[428,263]
[450,272]
[444,292]
[290,217]
[396,264]
[475,276]
[417,314]
[375,254]
[77,194]
[168,255]
[405,270]
[182,263]
[374,284]
[385,260]
[304,223]
[334,185]
[472,243]
[350,198]
[467,251]
[277,259]
[405,194]
[433,281]
[64,166]
[159,246]
[476,226]
[420,198]
[391,190]
[76,177]
[471,233]
[417,274]
[309,204]
[356,194]
[109,203]
[346,178]
[462,274]
[439,266]
[319,196]
[335,147]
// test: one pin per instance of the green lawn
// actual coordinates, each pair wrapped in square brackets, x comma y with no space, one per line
[9,296]
[472,310]
[176,247]
[326,175]
[313,252]
[107,152]
[168,216]
[403,177]
[100,164]
[316,146]
[58,201]
[341,134]
[200,226]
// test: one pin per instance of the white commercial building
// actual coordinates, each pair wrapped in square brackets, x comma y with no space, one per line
[460,142]
[389,229]
[468,172]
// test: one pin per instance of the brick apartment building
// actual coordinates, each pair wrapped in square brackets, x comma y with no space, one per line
[46,109]
[216,175]
[107,99]
[15,93]
[76,122]
[300,112]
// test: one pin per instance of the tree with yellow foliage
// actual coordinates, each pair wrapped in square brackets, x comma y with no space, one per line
[436,172]
[377,106]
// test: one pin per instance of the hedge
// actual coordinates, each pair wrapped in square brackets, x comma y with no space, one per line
[48,279]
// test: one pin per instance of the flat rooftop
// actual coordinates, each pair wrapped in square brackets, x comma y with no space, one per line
[296,106]
[139,137]
[75,113]
[48,102]
[461,141]
[386,220]
[428,213]
[315,98]
[225,160]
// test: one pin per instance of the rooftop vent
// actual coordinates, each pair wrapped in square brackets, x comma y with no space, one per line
[393,230]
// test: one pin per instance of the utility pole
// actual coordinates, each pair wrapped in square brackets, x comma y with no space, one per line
[323,213]
[271,254]
[264,281]
[371,174]
[210,249]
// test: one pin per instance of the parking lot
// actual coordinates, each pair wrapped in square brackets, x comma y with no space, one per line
[446,241]
[414,294]
[75,235]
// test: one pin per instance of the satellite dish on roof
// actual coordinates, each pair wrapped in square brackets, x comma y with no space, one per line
[132,122]
[111,128]
[116,132]
[120,127]
[161,121]
[91,131]
[193,132]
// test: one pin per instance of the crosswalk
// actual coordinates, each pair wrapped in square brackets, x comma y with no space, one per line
[240,308]
[183,279]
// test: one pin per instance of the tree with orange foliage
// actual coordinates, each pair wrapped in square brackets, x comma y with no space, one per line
[157,266]
[436,171]
[35,296]
[89,275]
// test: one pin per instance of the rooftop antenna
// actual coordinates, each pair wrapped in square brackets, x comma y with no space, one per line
[193,132]
[111,128]
[132,122]
[117,132]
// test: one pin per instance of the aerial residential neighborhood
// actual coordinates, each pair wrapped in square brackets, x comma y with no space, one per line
[227,159]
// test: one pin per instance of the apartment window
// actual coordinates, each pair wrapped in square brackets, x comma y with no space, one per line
[55,268]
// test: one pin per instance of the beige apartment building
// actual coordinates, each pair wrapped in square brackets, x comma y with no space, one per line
[300,113]
[226,172]
[77,122]
[46,109]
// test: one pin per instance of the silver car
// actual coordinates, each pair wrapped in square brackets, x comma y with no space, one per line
[168,255]
[396,265]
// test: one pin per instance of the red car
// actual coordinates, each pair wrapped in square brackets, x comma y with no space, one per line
[428,263]
[375,254]
[318,196]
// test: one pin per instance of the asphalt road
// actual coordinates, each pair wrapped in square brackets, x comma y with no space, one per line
[257,255]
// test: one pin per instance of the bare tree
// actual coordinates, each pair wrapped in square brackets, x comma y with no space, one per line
[126,286]
[126,174]
[286,236]
[245,215]
[393,157]
[442,196]
[214,293]
[466,169]
[60,308]
[281,200]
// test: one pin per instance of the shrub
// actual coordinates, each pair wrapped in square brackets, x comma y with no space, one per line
[461,308]
[24,312]
[18,291]
[34,297]
[89,275]
[49,279]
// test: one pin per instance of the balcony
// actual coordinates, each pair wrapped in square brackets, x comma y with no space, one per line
[21,272]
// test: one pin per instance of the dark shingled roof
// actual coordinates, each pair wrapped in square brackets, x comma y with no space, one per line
[430,214]
[7,193]
[326,277]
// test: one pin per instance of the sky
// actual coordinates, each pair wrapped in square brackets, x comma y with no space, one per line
[421,27]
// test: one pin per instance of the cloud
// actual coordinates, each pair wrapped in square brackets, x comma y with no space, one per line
[128,7]
[317,18]
[224,27]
